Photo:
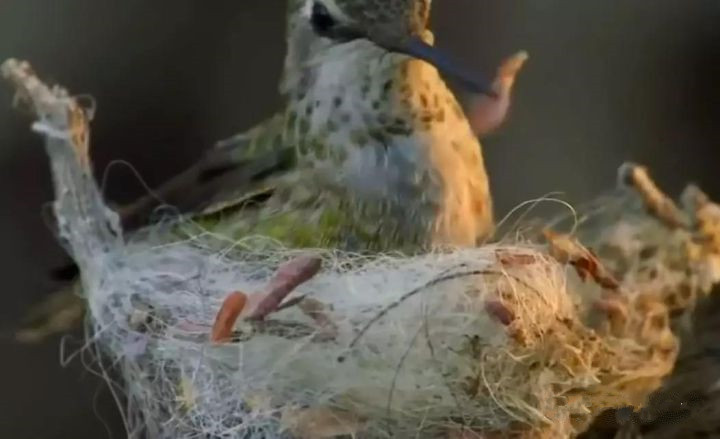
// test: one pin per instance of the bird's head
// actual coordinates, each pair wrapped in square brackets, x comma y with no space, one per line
[318,29]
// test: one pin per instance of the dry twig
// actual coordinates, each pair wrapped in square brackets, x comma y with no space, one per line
[568,250]
[657,202]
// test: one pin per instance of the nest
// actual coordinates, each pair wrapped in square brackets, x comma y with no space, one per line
[219,339]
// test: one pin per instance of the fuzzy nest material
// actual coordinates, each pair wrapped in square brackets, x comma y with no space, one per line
[505,339]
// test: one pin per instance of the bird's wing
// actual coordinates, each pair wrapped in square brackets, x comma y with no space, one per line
[238,169]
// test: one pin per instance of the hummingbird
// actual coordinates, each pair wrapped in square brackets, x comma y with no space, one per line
[372,151]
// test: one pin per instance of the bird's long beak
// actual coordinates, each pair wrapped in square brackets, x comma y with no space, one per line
[419,49]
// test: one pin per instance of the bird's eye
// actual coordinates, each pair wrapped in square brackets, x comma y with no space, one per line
[321,19]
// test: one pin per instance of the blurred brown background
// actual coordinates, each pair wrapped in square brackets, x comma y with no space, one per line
[607,81]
